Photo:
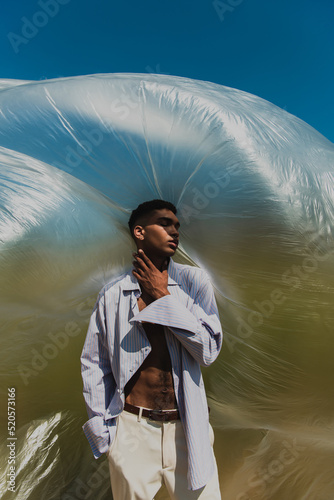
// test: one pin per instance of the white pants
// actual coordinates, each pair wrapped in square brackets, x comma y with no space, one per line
[148,460]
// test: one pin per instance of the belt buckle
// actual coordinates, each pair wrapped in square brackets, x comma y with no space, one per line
[160,415]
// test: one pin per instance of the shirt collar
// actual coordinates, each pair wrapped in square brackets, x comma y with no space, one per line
[131,283]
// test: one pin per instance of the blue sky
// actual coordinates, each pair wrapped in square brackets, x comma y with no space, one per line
[281,51]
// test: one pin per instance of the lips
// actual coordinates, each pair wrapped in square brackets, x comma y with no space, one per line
[173,243]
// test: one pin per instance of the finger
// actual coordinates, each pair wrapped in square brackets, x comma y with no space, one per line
[139,259]
[139,271]
[136,255]
[139,262]
[144,258]
[136,275]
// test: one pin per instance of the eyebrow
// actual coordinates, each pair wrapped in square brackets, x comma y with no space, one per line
[168,219]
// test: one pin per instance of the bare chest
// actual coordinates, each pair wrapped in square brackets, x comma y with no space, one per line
[159,355]
[152,385]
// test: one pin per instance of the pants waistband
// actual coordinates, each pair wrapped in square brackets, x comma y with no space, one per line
[158,415]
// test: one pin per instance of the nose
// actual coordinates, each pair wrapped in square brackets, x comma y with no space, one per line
[175,232]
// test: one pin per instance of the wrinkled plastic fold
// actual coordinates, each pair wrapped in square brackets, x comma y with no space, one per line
[254,189]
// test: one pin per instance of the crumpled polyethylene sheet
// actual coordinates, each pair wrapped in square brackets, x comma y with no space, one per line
[254,190]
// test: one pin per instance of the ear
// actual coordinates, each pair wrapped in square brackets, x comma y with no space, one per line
[139,232]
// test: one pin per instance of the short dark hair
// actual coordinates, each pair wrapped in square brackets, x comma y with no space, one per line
[147,207]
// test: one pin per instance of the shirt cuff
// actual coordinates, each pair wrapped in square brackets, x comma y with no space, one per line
[97,433]
[168,311]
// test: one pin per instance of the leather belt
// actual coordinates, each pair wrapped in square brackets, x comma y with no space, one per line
[159,415]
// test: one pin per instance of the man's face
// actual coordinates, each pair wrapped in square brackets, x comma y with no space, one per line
[158,233]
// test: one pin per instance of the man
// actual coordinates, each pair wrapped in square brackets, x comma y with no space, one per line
[150,331]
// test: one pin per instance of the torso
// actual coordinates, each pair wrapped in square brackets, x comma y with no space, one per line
[152,385]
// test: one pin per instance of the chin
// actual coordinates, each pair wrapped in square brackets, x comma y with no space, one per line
[168,253]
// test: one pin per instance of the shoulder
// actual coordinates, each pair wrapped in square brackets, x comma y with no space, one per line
[190,276]
[186,270]
[115,284]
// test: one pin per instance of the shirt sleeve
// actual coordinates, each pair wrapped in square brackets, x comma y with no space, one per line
[98,381]
[197,326]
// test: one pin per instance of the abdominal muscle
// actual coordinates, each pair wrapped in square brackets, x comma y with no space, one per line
[152,385]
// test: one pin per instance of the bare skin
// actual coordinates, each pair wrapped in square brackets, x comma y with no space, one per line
[152,385]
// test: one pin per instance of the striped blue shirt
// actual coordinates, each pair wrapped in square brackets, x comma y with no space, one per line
[116,345]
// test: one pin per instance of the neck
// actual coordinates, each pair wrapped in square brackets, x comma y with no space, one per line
[157,261]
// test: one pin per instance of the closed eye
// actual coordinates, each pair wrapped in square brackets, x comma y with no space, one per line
[165,222]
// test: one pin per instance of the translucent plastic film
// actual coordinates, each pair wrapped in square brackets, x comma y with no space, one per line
[254,190]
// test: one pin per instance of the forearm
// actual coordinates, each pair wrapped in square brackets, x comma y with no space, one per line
[98,380]
[98,388]
[197,331]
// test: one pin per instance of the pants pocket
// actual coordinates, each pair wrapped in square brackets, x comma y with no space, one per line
[112,445]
